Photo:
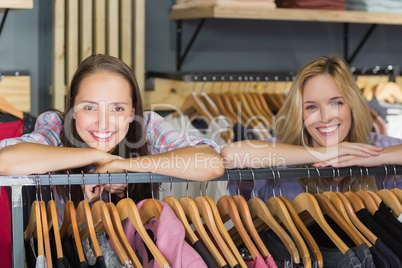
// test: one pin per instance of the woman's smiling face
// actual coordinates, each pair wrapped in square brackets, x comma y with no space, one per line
[326,115]
[103,110]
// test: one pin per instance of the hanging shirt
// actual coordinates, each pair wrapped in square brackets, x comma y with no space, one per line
[169,236]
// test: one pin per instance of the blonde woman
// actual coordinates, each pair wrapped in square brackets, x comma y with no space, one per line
[325,121]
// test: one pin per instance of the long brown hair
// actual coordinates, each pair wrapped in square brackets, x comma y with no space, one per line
[133,145]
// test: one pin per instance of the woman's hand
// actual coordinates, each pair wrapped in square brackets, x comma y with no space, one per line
[92,192]
[346,150]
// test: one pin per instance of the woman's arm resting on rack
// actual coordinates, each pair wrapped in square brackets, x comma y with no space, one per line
[259,154]
[197,163]
[29,158]
[391,155]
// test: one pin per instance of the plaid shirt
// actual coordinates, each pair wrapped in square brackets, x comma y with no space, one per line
[160,134]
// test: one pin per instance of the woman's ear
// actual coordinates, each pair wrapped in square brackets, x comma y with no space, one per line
[74,116]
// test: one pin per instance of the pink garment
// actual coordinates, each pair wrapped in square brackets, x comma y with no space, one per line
[169,235]
[259,262]
[270,261]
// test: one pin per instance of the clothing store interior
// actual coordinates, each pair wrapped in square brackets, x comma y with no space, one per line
[253,133]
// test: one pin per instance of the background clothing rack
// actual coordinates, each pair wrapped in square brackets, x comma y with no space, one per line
[17,182]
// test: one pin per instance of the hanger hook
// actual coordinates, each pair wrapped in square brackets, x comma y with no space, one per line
[238,187]
[110,185]
[50,186]
[385,177]
[308,177]
[83,182]
[394,176]
[37,186]
[361,178]
[333,176]
[69,185]
[99,182]
[227,185]
[171,185]
[200,188]
[337,181]
[351,174]
[367,173]
[126,183]
[273,176]
[279,181]
[152,185]
[318,180]
[253,177]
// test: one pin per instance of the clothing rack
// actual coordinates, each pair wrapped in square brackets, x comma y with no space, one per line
[17,182]
[392,71]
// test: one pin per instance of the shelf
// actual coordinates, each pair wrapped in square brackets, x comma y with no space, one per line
[16,4]
[287,14]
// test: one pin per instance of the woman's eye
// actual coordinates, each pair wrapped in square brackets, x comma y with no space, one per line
[89,108]
[337,103]
[118,109]
[310,107]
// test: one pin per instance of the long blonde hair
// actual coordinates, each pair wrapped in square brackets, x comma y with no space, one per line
[289,125]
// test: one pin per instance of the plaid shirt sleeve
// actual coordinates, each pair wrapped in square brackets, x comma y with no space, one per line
[163,137]
[47,131]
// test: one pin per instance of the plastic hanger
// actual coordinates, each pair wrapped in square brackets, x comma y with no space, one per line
[114,215]
[84,218]
[70,221]
[175,205]
[103,222]
[395,190]
[192,213]
[127,209]
[245,216]
[151,207]
[279,210]
[305,202]
[35,224]
[389,198]
[206,214]
[7,108]
[53,221]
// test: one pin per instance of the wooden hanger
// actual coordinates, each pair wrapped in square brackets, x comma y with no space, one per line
[355,220]
[46,240]
[304,232]
[114,215]
[193,104]
[206,213]
[103,222]
[222,230]
[53,221]
[84,218]
[367,198]
[280,211]
[259,99]
[151,207]
[35,225]
[243,110]
[327,207]
[306,202]
[259,209]
[127,209]
[389,198]
[70,221]
[340,207]
[192,213]
[7,108]
[228,210]
[245,215]
[222,108]
[175,205]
